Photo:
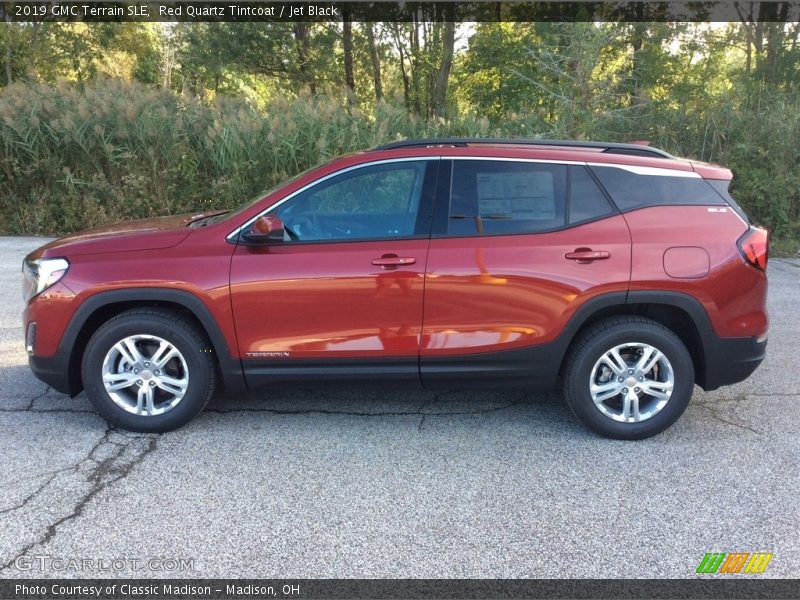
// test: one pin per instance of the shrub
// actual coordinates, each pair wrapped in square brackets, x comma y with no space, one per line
[74,157]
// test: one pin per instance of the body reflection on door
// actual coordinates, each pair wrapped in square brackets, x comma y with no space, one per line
[328,300]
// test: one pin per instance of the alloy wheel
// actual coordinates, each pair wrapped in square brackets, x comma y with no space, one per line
[145,375]
[631,382]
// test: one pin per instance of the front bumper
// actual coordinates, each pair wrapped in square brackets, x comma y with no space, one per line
[54,371]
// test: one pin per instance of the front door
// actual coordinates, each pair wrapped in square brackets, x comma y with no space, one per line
[341,297]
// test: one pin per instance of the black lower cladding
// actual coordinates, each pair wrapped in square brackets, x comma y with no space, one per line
[730,360]
[535,367]
[400,372]
[53,370]
[62,371]
[727,361]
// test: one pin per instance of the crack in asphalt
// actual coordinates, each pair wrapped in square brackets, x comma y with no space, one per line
[38,476]
[715,415]
[398,413]
[52,475]
[32,402]
[710,407]
[744,398]
[113,468]
[105,472]
[35,398]
[48,410]
[421,410]
[428,402]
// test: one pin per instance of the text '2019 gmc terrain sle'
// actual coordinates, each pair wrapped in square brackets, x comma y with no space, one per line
[621,272]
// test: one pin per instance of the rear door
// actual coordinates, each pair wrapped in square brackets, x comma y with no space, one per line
[518,246]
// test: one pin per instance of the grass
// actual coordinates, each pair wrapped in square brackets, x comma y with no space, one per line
[72,157]
[785,248]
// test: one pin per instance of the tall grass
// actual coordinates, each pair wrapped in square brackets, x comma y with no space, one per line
[112,150]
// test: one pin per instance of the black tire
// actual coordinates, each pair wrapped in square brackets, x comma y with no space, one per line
[184,334]
[602,337]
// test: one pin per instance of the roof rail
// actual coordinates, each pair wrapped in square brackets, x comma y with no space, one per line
[609,147]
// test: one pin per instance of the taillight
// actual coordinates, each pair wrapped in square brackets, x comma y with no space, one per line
[754,246]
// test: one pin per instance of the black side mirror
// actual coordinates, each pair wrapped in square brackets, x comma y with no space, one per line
[265,229]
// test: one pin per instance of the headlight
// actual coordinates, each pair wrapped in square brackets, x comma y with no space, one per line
[38,275]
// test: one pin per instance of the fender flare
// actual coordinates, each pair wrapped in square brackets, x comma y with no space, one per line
[690,305]
[230,367]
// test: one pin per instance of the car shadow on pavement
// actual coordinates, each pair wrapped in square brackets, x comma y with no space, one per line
[424,406]
[21,392]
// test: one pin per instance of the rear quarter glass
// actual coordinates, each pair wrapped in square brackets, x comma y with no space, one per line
[722,187]
[630,190]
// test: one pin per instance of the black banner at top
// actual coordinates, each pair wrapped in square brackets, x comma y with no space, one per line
[476,11]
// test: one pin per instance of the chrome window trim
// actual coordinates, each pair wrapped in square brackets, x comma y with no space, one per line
[516,159]
[639,170]
[231,236]
[653,171]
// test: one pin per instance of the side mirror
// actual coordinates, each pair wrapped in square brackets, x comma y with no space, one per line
[265,229]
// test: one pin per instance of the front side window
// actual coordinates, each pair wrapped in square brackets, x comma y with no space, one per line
[374,202]
[504,197]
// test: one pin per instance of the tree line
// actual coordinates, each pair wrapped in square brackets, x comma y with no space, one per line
[724,92]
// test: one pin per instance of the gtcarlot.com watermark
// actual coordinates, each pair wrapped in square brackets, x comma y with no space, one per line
[87,565]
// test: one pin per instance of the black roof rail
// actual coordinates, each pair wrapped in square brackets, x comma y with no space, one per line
[609,147]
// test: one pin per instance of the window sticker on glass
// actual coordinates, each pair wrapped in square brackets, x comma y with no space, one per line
[516,196]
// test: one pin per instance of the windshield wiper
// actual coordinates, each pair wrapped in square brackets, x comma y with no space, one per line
[210,220]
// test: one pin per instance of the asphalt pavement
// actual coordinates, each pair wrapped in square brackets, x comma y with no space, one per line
[306,484]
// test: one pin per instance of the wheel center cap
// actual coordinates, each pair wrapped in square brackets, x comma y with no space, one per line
[630,381]
[147,374]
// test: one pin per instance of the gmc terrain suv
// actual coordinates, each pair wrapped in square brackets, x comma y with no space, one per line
[623,273]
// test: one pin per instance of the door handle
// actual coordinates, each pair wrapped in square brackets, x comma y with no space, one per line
[388,261]
[587,255]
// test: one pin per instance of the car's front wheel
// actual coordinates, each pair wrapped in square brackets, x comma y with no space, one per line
[148,370]
[628,377]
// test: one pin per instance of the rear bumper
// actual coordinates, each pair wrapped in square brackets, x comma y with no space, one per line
[730,360]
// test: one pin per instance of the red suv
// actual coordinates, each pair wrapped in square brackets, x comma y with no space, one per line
[620,272]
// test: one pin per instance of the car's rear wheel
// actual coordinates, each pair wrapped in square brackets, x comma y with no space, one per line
[628,377]
[149,370]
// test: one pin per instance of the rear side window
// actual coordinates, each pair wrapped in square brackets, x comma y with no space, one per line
[506,197]
[631,190]
[586,199]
